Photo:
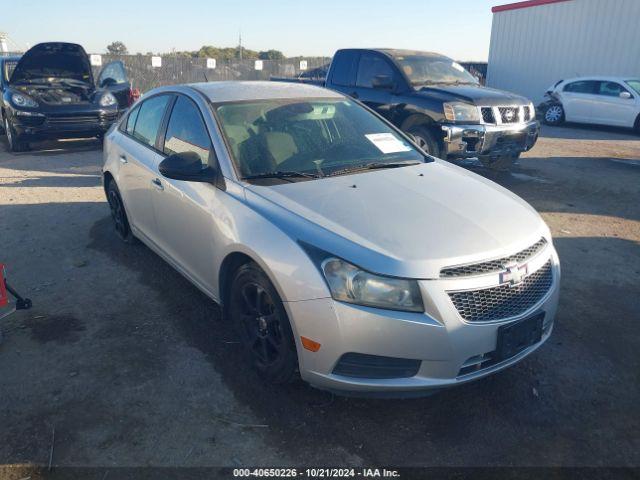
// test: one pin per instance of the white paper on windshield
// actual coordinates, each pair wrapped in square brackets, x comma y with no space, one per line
[387,143]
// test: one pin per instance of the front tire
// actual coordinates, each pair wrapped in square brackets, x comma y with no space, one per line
[426,141]
[118,213]
[13,140]
[554,114]
[257,312]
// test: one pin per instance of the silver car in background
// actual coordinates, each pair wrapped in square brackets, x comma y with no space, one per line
[339,250]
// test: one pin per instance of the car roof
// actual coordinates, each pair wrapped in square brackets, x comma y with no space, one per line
[396,52]
[601,78]
[235,91]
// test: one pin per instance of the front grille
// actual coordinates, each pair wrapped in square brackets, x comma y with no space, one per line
[72,119]
[493,266]
[487,115]
[503,301]
[509,114]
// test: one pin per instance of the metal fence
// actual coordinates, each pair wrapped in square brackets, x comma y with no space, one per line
[146,72]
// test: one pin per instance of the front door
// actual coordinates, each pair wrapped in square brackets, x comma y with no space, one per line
[185,211]
[610,108]
[113,78]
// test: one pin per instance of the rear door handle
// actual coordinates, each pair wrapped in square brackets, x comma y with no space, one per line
[123,159]
[157,183]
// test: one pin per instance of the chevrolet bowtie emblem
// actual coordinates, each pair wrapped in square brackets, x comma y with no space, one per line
[513,274]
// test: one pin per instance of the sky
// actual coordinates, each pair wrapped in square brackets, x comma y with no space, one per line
[458,28]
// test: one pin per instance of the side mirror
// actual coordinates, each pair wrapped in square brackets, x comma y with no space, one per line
[625,95]
[187,166]
[383,82]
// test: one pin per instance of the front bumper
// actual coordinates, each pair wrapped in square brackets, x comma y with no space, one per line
[449,349]
[34,125]
[464,141]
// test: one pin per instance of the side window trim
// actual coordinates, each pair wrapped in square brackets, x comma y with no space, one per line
[213,156]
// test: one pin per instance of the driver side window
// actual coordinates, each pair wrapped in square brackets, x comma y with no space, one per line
[371,66]
[186,131]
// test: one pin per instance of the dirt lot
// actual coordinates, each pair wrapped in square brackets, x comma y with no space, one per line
[130,365]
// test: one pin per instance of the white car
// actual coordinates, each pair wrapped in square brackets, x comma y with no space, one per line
[337,247]
[611,101]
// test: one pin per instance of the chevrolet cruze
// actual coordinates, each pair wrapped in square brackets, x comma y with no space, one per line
[340,251]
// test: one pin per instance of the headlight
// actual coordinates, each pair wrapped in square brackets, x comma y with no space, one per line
[21,100]
[461,112]
[107,100]
[349,283]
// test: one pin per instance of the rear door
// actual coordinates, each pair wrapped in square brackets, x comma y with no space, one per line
[139,157]
[578,99]
[370,66]
[113,78]
[609,108]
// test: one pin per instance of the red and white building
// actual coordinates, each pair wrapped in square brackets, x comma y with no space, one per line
[535,43]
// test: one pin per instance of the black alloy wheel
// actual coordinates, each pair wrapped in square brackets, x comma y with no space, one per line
[262,324]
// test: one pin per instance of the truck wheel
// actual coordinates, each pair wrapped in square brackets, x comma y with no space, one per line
[554,114]
[14,142]
[425,140]
[499,163]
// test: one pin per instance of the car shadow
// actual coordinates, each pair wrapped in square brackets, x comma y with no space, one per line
[581,131]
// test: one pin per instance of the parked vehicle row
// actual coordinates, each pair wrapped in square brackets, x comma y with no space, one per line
[49,92]
[613,101]
[340,251]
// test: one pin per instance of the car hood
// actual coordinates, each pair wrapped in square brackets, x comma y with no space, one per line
[53,59]
[478,95]
[405,222]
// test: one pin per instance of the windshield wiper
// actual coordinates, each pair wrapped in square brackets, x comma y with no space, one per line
[277,174]
[373,166]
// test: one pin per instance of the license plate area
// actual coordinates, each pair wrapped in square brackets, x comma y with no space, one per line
[516,337]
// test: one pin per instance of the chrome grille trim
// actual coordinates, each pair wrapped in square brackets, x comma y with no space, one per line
[494,266]
[504,301]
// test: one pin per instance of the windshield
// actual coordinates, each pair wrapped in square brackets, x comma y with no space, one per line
[635,84]
[425,69]
[313,138]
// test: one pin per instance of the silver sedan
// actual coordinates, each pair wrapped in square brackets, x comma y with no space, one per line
[339,250]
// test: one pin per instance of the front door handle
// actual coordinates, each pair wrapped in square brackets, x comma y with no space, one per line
[157,183]
[123,159]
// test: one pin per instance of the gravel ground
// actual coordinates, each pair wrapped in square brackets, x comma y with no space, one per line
[130,365]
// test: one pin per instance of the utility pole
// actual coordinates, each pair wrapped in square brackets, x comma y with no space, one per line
[240,43]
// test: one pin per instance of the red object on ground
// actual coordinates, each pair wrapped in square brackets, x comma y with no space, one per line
[525,4]
[4,299]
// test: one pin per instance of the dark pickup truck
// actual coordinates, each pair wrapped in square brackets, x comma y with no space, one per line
[430,96]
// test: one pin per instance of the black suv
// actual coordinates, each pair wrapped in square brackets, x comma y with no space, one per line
[433,98]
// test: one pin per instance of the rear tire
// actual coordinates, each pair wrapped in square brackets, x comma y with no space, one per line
[500,163]
[426,140]
[554,114]
[13,140]
[118,213]
[259,317]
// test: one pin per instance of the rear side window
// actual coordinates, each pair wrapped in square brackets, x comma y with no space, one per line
[131,120]
[149,119]
[582,86]
[611,89]
[342,68]
[186,131]
[370,66]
